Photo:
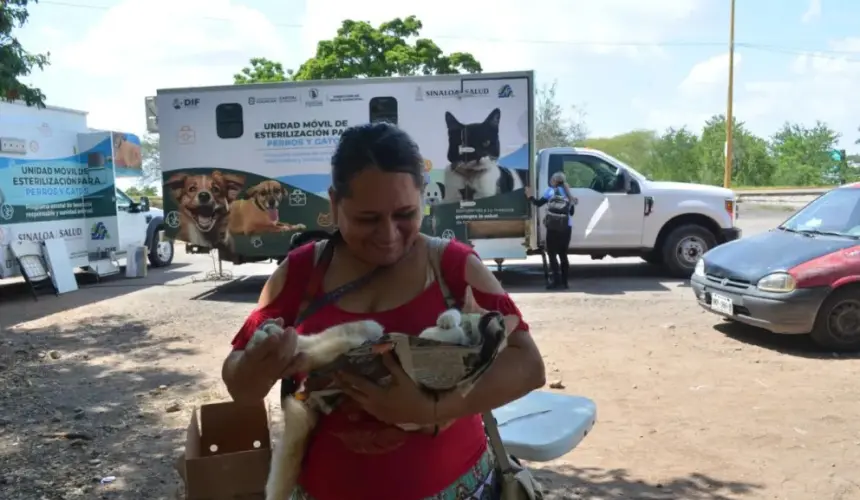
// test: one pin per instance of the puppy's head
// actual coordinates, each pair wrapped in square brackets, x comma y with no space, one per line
[118,139]
[268,195]
[434,192]
[204,198]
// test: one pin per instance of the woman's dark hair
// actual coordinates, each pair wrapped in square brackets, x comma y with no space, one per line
[374,145]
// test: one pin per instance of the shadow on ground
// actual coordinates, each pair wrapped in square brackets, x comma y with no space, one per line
[17,304]
[86,401]
[598,279]
[795,345]
[603,279]
[565,482]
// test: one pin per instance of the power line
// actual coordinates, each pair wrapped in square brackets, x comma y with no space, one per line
[839,55]
[816,54]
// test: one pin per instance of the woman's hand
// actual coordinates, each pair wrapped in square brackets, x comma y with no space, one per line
[275,358]
[401,402]
[529,191]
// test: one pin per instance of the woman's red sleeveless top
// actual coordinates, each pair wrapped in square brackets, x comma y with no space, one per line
[353,456]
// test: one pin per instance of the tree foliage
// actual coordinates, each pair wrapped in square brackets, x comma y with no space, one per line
[359,50]
[795,155]
[552,127]
[15,62]
[151,159]
[262,70]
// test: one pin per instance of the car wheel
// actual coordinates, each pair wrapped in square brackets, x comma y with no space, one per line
[837,325]
[160,250]
[684,247]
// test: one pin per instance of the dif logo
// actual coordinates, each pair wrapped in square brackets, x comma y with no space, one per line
[187,102]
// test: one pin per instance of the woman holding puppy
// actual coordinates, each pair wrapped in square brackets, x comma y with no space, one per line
[356,452]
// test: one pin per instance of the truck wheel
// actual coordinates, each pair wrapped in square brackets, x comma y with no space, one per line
[160,251]
[684,247]
[654,257]
[837,325]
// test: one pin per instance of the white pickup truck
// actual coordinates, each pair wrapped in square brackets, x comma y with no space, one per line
[620,213]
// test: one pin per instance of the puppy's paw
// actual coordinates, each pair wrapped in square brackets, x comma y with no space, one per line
[266,330]
[365,331]
[449,320]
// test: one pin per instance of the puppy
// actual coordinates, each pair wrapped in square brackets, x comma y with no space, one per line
[203,201]
[125,153]
[434,192]
[300,418]
[258,214]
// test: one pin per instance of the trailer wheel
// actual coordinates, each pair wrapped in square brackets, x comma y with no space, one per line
[160,250]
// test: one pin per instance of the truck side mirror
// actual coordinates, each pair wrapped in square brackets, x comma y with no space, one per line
[144,204]
[632,186]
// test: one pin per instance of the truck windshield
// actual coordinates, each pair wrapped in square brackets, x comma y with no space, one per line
[122,198]
[836,212]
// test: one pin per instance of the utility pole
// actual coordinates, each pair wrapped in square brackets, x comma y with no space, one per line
[727,174]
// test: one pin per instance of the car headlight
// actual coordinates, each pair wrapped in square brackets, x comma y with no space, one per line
[777,283]
[700,268]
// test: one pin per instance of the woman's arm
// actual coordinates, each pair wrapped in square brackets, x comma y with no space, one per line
[250,375]
[538,202]
[517,370]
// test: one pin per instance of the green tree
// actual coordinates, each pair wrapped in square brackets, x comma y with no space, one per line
[149,191]
[151,159]
[751,164]
[802,155]
[552,127]
[133,192]
[359,50]
[634,147]
[262,70]
[15,62]
[674,156]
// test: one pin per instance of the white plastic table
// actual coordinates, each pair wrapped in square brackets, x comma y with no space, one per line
[543,426]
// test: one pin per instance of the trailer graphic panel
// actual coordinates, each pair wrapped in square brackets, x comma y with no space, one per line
[45,197]
[246,166]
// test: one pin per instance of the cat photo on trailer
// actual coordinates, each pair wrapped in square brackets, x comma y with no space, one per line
[473,171]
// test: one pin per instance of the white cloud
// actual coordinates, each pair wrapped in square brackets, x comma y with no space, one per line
[708,74]
[813,86]
[813,12]
[139,46]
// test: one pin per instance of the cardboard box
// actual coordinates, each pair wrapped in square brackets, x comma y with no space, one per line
[227,452]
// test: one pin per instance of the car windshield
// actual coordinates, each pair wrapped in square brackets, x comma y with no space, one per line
[836,212]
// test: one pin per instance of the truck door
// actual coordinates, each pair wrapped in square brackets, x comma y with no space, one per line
[606,216]
[625,213]
[130,223]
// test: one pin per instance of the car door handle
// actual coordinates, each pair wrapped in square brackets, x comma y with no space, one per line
[649,205]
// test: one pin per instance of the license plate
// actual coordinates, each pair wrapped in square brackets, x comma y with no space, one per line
[722,304]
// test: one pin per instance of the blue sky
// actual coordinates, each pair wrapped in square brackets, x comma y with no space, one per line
[626,63]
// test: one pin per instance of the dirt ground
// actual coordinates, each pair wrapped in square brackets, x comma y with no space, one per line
[99,384]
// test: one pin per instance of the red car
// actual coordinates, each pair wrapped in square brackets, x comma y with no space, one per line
[802,277]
